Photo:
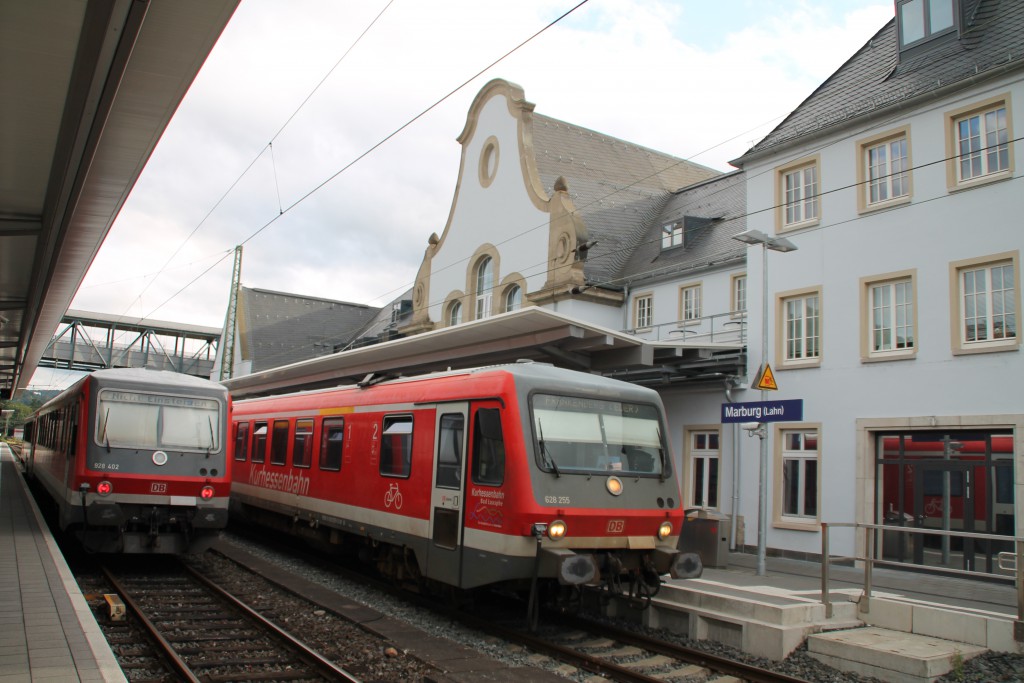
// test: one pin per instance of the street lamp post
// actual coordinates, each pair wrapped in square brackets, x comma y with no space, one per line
[780,244]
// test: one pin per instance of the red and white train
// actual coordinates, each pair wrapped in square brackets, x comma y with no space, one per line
[135,460]
[502,475]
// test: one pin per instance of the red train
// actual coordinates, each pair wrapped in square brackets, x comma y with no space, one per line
[514,475]
[134,460]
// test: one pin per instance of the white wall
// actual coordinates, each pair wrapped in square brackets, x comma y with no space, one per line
[938,227]
[519,230]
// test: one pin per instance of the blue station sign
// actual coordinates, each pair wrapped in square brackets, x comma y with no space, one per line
[791,410]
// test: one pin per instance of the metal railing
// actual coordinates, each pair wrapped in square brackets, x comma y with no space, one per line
[1013,562]
[728,328]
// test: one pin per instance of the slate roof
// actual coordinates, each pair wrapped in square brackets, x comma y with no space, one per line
[717,209]
[384,325]
[277,328]
[874,80]
[617,186]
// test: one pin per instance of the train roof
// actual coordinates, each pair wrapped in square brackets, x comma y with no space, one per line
[528,370]
[164,378]
[141,377]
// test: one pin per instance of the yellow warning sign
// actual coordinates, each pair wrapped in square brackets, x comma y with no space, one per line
[766,379]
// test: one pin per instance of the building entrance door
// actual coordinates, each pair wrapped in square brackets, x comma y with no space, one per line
[950,481]
[943,500]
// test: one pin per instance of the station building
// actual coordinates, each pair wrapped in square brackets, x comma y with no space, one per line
[892,313]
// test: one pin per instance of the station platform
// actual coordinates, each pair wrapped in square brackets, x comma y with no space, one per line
[47,632]
[914,627]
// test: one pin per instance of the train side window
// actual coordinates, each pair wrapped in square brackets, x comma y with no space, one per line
[449,451]
[279,443]
[332,440]
[241,441]
[302,446]
[488,448]
[259,442]
[396,446]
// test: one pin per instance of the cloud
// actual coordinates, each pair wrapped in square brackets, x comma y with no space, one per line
[639,71]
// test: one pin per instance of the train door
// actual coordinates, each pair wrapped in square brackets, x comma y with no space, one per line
[447,496]
[944,500]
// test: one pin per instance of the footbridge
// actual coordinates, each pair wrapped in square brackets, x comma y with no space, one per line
[91,341]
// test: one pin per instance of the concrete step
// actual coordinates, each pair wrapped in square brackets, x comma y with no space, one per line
[758,620]
[760,603]
[888,655]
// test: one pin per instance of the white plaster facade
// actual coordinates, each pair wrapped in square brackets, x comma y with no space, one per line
[848,395]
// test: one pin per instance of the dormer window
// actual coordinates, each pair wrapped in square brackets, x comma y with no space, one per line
[922,20]
[671,235]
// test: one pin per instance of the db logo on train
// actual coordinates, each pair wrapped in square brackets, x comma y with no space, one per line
[158,487]
[616,526]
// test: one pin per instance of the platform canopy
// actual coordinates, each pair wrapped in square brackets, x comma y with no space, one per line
[88,87]
[530,333]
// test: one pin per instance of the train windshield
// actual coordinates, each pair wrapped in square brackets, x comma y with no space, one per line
[586,435]
[131,419]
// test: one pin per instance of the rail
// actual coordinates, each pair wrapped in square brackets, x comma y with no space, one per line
[726,328]
[1016,559]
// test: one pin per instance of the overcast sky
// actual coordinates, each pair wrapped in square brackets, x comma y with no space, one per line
[248,158]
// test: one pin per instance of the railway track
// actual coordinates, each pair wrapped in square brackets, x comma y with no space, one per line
[205,634]
[596,647]
[622,655]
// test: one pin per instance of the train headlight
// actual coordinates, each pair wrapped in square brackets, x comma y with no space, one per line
[207,493]
[104,488]
[556,530]
[614,485]
[665,530]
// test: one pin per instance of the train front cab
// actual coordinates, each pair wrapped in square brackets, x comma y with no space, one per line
[500,515]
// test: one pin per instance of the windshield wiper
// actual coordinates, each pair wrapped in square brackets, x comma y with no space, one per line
[103,436]
[209,448]
[544,451]
[661,455]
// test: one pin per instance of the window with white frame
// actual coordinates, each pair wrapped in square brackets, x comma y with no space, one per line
[690,303]
[704,459]
[739,293]
[514,298]
[484,285]
[671,235]
[454,314]
[643,311]
[982,140]
[799,194]
[988,298]
[801,328]
[891,317]
[886,171]
[800,457]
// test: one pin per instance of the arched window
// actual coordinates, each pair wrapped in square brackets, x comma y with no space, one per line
[514,298]
[455,314]
[484,284]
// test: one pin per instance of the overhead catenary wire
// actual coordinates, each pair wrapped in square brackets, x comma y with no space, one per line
[322,184]
[268,146]
[582,209]
[541,268]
